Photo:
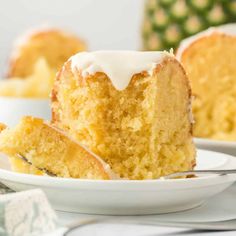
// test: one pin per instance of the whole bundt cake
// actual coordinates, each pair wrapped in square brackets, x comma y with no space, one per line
[52,44]
[209,60]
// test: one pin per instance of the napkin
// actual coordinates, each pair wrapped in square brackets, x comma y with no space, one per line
[26,213]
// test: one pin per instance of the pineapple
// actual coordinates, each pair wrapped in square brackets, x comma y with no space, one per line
[167,22]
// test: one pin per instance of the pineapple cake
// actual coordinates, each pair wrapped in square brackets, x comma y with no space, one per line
[209,60]
[130,108]
[55,45]
[39,148]
[167,22]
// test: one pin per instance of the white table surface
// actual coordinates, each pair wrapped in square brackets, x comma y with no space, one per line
[220,207]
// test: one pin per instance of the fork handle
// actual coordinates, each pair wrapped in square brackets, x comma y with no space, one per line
[200,172]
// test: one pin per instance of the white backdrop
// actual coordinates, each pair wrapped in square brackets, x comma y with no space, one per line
[104,24]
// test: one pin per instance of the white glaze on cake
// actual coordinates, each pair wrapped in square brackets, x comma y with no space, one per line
[229,29]
[119,66]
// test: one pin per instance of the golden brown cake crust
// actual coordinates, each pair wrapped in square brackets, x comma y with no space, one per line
[210,37]
[98,163]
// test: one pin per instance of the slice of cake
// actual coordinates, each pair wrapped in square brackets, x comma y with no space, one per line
[209,60]
[55,45]
[49,150]
[19,165]
[130,108]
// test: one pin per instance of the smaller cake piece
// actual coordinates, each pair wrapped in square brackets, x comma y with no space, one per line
[19,165]
[51,151]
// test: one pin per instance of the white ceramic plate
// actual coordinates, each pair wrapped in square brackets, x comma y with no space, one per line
[126,197]
[218,146]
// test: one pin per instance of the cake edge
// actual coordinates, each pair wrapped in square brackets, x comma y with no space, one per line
[220,30]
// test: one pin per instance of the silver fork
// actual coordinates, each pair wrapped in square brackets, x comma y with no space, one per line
[225,225]
[5,189]
[199,172]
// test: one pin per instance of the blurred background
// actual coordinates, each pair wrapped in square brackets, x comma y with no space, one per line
[28,78]
[103,24]
[28,70]
[112,24]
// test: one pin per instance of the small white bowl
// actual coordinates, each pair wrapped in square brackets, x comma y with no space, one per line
[12,109]
[228,147]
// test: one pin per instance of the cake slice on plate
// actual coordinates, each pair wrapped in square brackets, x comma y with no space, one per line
[209,60]
[133,109]
[37,147]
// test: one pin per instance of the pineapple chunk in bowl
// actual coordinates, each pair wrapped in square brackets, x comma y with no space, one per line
[30,96]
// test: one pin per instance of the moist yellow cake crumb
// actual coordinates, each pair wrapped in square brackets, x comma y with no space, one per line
[210,64]
[50,150]
[142,132]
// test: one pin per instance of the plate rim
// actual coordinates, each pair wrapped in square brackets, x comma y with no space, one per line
[207,141]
